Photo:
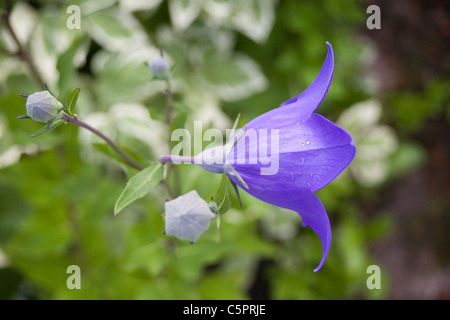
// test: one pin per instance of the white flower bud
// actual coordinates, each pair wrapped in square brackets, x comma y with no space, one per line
[43,107]
[187,216]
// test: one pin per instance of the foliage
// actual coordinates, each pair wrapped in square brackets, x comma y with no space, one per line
[59,193]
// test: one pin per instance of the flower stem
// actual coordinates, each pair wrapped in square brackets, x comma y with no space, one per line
[176,159]
[21,52]
[171,170]
[84,125]
[169,97]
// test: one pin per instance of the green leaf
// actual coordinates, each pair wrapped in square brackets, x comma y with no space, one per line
[178,123]
[184,12]
[72,100]
[139,185]
[253,18]
[181,107]
[222,197]
[47,128]
[179,120]
[112,28]
[65,65]
[232,78]
[109,152]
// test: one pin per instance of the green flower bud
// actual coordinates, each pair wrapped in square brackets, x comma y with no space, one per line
[43,107]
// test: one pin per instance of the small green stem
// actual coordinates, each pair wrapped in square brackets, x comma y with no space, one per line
[169,117]
[84,125]
[21,52]
[169,97]
[176,159]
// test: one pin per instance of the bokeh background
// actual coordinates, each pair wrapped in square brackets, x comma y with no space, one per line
[390,90]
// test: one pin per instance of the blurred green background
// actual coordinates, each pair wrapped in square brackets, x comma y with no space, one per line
[57,192]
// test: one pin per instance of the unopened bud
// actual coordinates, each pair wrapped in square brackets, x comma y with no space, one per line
[187,216]
[159,68]
[43,107]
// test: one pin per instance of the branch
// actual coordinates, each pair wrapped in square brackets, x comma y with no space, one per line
[171,168]
[169,97]
[82,124]
[21,52]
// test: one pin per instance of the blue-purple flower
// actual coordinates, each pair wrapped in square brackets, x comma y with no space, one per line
[283,156]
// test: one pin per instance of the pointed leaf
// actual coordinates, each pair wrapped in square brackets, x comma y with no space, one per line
[47,128]
[109,152]
[179,120]
[184,12]
[72,101]
[222,197]
[139,185]
[65,64]
[232,78]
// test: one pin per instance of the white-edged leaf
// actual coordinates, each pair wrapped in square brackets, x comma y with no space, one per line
[139,185]
[254,18]
[184,12]
[232,78]
[139,5]
[114,30]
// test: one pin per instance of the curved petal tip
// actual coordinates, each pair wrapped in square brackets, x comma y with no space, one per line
[308,101]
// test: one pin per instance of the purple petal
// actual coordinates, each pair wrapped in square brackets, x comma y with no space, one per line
[308,154]
[302,150]
[305,203]
[315,152]
[301,107]
[309,100]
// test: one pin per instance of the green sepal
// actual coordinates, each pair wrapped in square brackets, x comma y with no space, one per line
[237,191]
[233,131]
[218,222]
[235,141]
